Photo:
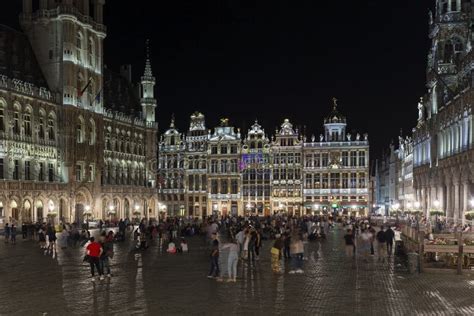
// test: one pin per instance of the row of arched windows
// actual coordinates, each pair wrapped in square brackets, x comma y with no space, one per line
[85,131]
[123,173]
[22,121]
[122,141]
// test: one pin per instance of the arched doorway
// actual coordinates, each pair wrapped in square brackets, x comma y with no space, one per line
[15,210]
[81,202]
[39,211]
[126,207]
[105,209]
[26,215]
[114,213]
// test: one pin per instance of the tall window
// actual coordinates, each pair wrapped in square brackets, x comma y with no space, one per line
[16,170]
[2,175]
[214,166]
[214,186]
[79,46]
[345,181]
[191,182]
[27,170]
[78,173]
[50,172]
[324,160]
[224,149]
[361,183]
[234,186]
[92,135]
[224,186]
[203,183]
[2,119]
[27,124]
[362,158]
[91,173]
[325,181]
[51,132]
[80,131]
[353,180]
[353,158]
[41,128]
[91,52]
[16,123]
[41,171]
[345,158]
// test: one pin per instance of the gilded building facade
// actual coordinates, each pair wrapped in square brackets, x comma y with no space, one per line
[227,174]
[336,169]
[443,152]
[76,140]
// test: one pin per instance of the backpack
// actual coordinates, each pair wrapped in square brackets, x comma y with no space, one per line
[381,236]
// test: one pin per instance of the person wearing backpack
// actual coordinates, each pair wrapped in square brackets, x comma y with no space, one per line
[381,251]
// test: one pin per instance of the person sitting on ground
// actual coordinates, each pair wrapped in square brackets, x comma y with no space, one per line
[183,246]
[171,247]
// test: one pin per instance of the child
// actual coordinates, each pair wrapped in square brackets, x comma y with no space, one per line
[171,247]
[183,246]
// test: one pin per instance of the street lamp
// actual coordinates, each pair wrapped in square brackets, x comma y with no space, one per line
[436,203]
[111,211]
[87,209]
[136,211]
[417,204]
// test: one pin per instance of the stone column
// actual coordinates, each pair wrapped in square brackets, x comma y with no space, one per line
[448,200]
[456,201]
[466,200]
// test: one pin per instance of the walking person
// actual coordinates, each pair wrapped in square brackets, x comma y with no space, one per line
[350,245]
[107,254]
[389,237]
[24,230]
[296,252]
[214,272]
[232,260]
[365,241]
[94,251]
[276,252]
[13,234]
[381,241]
[7,233]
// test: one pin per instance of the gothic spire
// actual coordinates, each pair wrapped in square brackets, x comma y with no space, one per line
[148,72]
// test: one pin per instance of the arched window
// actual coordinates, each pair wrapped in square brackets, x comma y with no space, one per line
[91,52]
[80,130]
[51,127]
[79,46]
[27,122]
[2,116]
[92,133]
[41,124]
[80,86]
[16,119]
[448,52]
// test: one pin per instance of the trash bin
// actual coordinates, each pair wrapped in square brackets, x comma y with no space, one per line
[413,262]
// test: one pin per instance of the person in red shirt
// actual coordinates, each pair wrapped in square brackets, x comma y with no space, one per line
[94,250]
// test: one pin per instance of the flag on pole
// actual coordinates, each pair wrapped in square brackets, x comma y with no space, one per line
[97,97]
[80,93]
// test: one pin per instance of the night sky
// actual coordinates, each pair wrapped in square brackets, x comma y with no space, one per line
[275,59]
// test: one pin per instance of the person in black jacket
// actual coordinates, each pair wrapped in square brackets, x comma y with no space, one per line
[389,237]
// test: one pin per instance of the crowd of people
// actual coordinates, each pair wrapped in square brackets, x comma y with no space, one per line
[240,238]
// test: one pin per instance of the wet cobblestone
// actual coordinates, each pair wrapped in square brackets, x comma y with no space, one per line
[160,284]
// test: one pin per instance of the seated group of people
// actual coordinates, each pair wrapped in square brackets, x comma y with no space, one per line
[183,247]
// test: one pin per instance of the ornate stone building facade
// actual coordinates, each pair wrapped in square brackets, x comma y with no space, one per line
[229,175]
[67,150]
[443,139]
[336,169]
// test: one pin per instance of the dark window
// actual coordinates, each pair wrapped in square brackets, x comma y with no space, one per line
[27,170]
[1,169]
[50,172]
[16,170]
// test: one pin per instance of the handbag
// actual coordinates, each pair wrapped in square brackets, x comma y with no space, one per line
[275,251]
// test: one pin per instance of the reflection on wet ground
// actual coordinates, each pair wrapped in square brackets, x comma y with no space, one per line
[152,282]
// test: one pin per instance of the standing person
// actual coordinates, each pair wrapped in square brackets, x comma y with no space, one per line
[214,273]
[107,254]
[7,233]
[296,252]
[252,245]
[42,238]
[51,232]
[94,251]
[24,230]
[276,253]
[365,241]
[232,260]
[240,239]
[258,244]
[389,236]
[286,245]
[381,245]
[372,237]
[350,245]
[13,234]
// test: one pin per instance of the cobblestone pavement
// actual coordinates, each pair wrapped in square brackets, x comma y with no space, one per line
[160,284]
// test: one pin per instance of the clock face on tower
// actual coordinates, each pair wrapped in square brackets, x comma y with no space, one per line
[335,160]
